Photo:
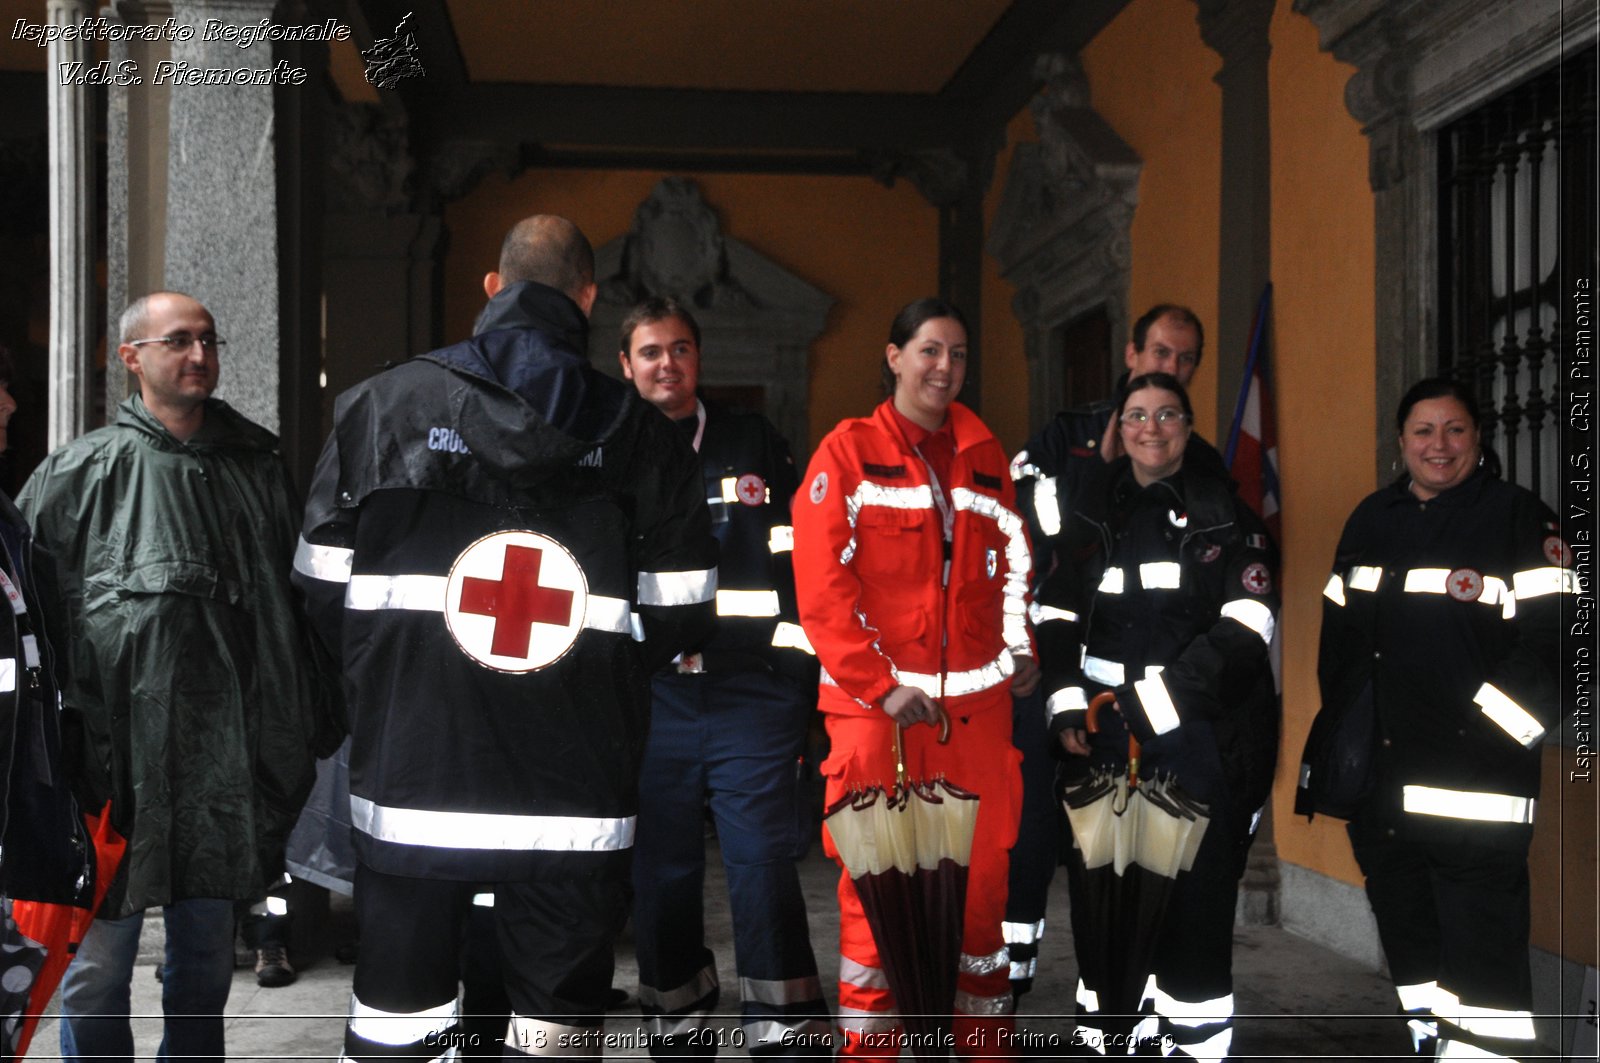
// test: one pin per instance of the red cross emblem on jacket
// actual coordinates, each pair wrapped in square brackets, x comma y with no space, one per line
[515,601]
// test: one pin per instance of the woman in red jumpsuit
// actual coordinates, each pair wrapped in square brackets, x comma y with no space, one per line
[912,569]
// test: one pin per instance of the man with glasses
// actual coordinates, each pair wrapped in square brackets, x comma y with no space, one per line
[1167,338]
[193,703]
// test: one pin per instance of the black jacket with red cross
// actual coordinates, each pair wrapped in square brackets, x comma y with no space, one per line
[1167,595]
[1446,614]
[750,481]
[500,546]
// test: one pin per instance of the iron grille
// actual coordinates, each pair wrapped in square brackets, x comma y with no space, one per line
[1517,197]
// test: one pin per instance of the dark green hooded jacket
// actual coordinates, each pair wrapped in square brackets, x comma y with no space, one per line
[193,698]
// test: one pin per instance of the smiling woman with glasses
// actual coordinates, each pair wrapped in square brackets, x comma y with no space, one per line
[1164,599]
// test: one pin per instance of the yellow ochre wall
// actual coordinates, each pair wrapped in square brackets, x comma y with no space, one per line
[1150,79]
[1322,358]
[872,248]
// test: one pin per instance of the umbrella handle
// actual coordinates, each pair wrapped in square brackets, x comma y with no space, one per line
[1096,703]
[900,746]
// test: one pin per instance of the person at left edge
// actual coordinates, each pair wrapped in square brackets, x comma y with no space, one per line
[726,727]
[194,700]
[501,545]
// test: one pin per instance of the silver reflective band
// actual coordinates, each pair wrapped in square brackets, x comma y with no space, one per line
[860,975]
[1485,1022]
[8,674]
[1539,581]
[774,1032]
[331,563]
[985,964]
[608,614]
[1192,1012]
[1044,614]
[1253,614]
[787,636]
[399,1028]
[972,1004]
[1045,507]
[1157,702]
[747,603]
[1087,997]
[698,987]
[677,588]
[1419,997]
[1103,671]
[488,830]
[1021,969]
[730,489]
[1160,575]
[419,593]
[1437,581]
[956,684]
[1464,804]
[1510,717]
[1022,468]
[535,1037]
[1067,699]
[1014,607]
[675,1025]
[30,651]
[1365,578]
[868,493]
[1334,591]
[1111,582]
[483,900]
[780,991]
[780,539]
[277,906]
[1022,933]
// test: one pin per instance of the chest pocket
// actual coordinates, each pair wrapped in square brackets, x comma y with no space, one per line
[891,544]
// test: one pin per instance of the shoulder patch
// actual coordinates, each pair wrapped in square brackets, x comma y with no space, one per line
[1557,552]
[1464,585]
[1256,578]
[819,488]
[1210,554]
[983,480]
[1256,542]
[886,471]
[751,489]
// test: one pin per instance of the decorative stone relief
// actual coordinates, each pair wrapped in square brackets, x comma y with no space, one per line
[757,320]
[1061,234]
[370,167]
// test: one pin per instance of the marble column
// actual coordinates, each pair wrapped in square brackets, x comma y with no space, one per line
[222,203]
[72,228]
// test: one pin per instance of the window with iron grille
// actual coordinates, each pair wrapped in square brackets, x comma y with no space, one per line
[1517,202]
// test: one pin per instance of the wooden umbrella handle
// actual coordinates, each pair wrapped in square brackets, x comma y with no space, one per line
[900,747]
[1096,703]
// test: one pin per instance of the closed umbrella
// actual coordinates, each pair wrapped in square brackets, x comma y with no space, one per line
[1133,838]
[906,848]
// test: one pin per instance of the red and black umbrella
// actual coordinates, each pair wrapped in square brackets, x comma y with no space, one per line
[906,847]
[1132,838]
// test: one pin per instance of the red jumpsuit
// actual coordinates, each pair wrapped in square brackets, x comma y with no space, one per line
[907,577]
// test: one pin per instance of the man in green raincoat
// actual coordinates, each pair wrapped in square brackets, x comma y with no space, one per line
[193,700]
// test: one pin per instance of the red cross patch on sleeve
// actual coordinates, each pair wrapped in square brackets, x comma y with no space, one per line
[1557,552]
[1256,578]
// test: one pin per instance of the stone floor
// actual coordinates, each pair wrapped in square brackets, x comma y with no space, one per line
[1294,1000]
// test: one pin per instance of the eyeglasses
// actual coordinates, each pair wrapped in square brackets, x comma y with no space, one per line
[1163,417]
[179,342]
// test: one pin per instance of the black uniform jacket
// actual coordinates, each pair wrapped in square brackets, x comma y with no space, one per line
[750,481]
[1050,470]
[1444,616]
[501,545]
[1167,594]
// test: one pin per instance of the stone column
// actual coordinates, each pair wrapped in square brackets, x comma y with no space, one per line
[1237,30]
[136,181]
[222,204]
[72,224]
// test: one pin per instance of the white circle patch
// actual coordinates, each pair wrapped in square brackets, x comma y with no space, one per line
[515,601]
[819,488]
[751,489]
[1464,585]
